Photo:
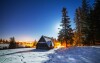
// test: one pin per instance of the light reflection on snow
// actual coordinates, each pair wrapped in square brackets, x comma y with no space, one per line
[60,56]
[71,59]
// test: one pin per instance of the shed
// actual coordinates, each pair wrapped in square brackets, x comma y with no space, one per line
[45,43]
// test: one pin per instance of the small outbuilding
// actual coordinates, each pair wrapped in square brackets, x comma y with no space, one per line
[45,43]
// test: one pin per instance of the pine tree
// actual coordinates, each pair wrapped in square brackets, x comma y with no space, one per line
[78,33]
[35,42]
[65,34]
[1,40]
[95,22]
[81,20]
[12,43]
[84,19]
[97,18]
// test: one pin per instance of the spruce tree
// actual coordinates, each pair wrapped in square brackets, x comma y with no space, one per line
[95,22]
[81,20]
[97,18]
[65,34]
[12,43]
[78,33]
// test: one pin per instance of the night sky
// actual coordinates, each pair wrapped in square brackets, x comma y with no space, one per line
[27,20]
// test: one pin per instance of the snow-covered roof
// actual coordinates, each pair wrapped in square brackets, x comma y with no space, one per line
[47,38]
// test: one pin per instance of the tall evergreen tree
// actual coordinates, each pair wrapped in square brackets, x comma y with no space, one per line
[65,32]
[84,19]
[78,23]
[96,13]
[81,20]
[95,22]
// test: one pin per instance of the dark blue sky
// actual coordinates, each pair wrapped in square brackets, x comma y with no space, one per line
[27,20]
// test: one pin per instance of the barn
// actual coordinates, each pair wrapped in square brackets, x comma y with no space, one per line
[45,43]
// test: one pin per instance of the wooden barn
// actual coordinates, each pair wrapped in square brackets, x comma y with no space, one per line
[45,43]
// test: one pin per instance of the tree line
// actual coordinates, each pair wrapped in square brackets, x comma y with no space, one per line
[13,44]
[87,20]
[3,41]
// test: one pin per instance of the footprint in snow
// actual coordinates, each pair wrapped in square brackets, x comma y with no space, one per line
[24,62]
[21,59]
[23,56]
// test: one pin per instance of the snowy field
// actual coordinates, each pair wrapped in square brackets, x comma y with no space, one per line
[4,46]
[61,55]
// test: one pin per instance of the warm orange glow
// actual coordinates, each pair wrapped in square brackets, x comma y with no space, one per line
[26,44]
[58,45]
[63,44]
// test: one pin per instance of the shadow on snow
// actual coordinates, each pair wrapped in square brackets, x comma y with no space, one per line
[33,50]
[75,55]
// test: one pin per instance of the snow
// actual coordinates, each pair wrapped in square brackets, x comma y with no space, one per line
[47,38]
[78,55]
[30,55]
[4,45]
[87,54]
[10,51]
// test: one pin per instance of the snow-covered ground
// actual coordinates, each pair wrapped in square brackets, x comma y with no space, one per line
[12,51]
[76,55]
[61,55]
[24,55]
[4,46]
